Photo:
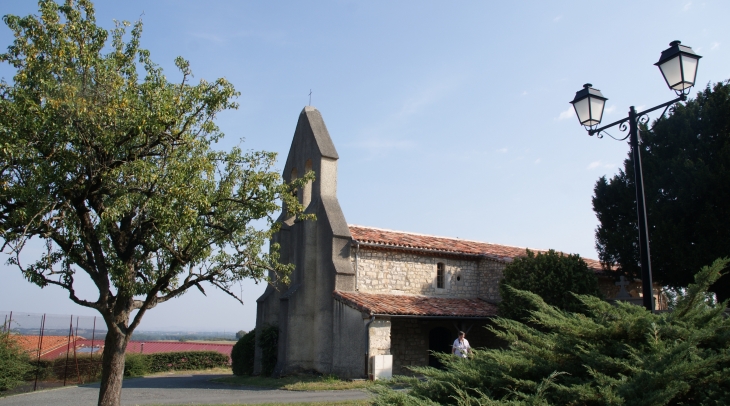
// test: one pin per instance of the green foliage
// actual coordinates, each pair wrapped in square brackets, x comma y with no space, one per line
[240,334]
[84,368]
[111,163]
[242,354]
[552,276]
[607,355]
[115,169]
[14,363]
[136,364]
[43,368]
[686,167]
[186,360]
[268,341]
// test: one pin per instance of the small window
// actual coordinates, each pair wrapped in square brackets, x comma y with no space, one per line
[440,275]
[294,176]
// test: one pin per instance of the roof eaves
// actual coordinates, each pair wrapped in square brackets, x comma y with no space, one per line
[396,247]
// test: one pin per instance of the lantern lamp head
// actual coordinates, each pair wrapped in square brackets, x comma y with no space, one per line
[588,104]
[678,65]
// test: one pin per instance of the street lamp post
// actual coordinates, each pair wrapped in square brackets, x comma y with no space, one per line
[678,65]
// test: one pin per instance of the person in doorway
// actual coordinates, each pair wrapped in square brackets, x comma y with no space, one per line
[461,347]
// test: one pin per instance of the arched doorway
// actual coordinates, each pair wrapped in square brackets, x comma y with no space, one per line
[439,340]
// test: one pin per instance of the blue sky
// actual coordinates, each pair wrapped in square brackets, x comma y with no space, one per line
[450,118]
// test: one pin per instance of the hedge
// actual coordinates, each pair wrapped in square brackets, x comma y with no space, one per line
[242,354]
[140,364]
[84,367]
[13,363]
[187,360]
[269,344]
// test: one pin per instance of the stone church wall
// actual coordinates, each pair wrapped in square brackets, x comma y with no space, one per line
[492,272]
[410,345]
[394,272]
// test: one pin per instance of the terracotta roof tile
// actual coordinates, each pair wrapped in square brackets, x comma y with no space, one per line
[50,343]
[402,305]
[400,239]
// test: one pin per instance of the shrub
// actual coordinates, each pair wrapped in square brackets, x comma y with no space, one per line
[136,364]
[83,368]
[186,360]
[607,355]
[242,354]
[269,344]
[42,368]
[14,363]
[553,276]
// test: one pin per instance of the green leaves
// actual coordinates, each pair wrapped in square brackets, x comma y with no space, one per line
[686,167]
[113,165]
[552,276]
[606,355]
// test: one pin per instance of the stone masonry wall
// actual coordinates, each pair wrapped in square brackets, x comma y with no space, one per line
[491,274]
[409,345]
[379,333]
[381,271]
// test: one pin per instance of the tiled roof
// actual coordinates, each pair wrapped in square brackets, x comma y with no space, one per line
[402,305]
[50,343]
[400,239]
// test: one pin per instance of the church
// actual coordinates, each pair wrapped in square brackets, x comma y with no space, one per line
[365,302]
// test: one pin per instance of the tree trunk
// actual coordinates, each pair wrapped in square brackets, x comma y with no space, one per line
[112,370]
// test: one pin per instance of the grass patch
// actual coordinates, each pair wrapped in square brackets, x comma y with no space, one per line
[296,382]
[210,371]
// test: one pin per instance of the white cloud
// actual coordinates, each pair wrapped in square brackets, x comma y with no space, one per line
[537,161]
[609,110]
[524,92]
[558,18]
[687,6]
[598,164]
[502,150]
[566,114]
[714,46]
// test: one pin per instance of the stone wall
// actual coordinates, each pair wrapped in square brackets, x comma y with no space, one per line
[379,334]
[394,272]
[410,339]
[491,274]
[609,289]
[409,345]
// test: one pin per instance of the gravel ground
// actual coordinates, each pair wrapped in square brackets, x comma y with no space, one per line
[177,389]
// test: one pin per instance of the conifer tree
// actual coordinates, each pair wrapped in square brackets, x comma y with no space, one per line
[609,355]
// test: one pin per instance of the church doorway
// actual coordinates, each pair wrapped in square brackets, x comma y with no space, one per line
[439,340]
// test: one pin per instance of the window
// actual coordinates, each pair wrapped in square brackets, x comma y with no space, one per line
[307,190]
[440,275]
[294,176]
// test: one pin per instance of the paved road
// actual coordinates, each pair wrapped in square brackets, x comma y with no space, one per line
[177,389]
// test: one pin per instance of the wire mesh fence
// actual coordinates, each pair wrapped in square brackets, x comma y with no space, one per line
[63,349]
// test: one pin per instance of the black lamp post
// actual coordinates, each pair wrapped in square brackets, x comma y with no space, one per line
[678,65]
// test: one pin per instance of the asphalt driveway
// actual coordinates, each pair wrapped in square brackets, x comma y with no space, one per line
[177,389]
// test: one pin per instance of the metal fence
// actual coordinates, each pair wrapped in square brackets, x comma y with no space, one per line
[64,349]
